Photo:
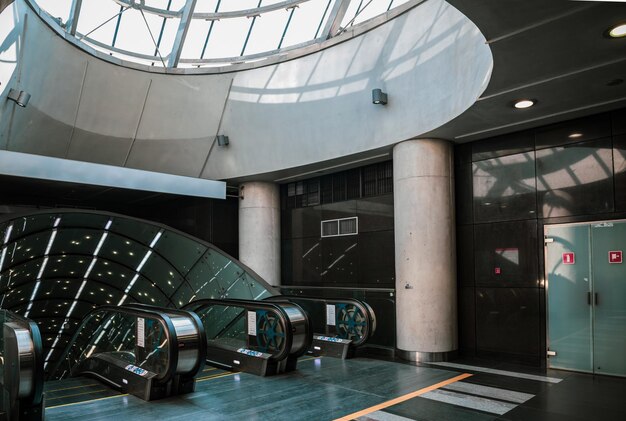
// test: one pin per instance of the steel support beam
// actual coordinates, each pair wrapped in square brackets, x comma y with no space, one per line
[334,19]
[72,21]
[183,28]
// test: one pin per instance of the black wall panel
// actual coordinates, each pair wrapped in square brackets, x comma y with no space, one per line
[504,188]
[573,171]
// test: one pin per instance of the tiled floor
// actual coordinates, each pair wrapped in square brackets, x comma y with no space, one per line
[368,389]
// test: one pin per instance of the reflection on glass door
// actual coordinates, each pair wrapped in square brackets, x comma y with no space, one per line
[587,297]
[609,283]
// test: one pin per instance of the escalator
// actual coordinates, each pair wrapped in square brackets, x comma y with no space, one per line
[340,325]
[258,337]
[141,351]
[21,362]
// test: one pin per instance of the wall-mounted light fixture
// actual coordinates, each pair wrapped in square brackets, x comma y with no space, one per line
[21,98]
[379,97]
[222,140]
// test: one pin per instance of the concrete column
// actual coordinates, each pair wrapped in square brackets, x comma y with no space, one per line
[426,309]
[259,229]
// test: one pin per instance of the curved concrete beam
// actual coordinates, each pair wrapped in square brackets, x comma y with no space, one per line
[432,61]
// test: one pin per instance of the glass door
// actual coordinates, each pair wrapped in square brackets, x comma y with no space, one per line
[569,297]
[587,297]
[609,293]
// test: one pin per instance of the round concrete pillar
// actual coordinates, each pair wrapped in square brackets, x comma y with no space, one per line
[425,250]
[259,229]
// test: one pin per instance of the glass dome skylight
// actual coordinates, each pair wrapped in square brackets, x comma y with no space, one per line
[207,33]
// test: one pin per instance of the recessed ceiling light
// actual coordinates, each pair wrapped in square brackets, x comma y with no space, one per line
[575,135]
[618,31]
[524,103]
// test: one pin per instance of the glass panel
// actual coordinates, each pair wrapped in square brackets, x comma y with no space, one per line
[140,232]
[619,163]
[305,21]
[376,259]
[127,251]
[114,335]
[74,241]
[368,11]
[569,286]
[148,292]
[463,194]
[93,14]
[305,222]
[467,318]
[507,321]
[574,131]
[227,37]
[268,28]
[575,179]
[504,188]
[306,261]
[375,213]
[83,220]
[503,145]
[239,289]
[465,254]
[340,261]
[182,252]
[56,8]
[198,30]
[162,273]
[609,288]
[505,254]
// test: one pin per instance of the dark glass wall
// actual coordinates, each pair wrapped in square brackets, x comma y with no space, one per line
[359,266]
[361,260]
[507,189]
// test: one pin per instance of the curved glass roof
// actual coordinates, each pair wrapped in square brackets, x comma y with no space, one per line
[207,33]
[55,267]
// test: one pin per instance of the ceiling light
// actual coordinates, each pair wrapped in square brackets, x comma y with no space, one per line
[524,103]
[618,31]
[575,135]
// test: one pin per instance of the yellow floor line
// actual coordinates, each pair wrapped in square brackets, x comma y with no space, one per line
[77,394]
[401,399]
[73,387]
[89,401]
[216,376]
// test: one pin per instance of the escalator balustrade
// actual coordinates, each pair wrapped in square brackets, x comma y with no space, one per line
[141,351]
[253,336]
[21,362]
[340,326]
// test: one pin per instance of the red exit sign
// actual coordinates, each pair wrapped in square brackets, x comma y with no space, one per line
[615,256]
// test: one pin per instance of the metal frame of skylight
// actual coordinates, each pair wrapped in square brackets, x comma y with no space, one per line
[223,64]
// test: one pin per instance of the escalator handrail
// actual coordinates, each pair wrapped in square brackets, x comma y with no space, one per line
[202,339]
[36,394]
[194,306]
[162,317]
[365,308]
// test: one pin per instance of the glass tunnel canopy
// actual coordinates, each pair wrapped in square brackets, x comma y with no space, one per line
[57,266]
[207,33]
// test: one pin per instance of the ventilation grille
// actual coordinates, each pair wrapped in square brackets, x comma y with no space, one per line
[337,227]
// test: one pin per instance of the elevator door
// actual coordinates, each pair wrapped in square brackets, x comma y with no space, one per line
[587,297]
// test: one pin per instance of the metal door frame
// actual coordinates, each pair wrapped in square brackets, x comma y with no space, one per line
[547,286]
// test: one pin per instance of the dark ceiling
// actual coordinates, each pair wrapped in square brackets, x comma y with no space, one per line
[552,51]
